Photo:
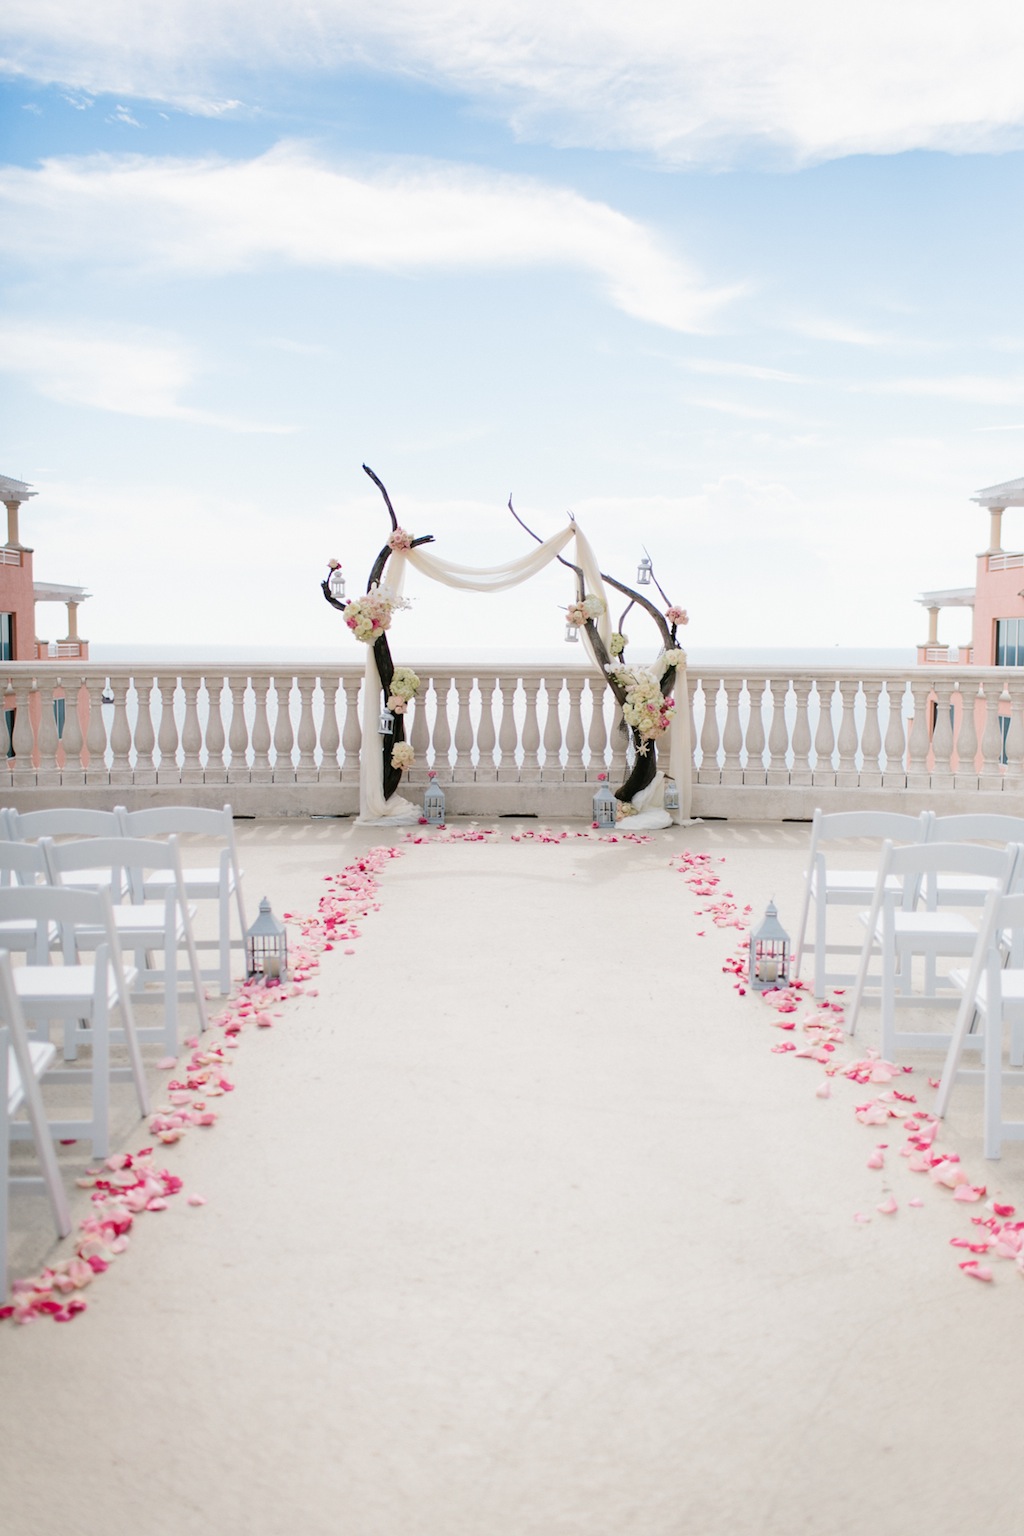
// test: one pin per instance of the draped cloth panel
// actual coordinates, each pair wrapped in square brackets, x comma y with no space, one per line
[373,808]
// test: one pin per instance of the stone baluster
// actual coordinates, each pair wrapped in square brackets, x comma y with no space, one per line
[487,736]
[753,773]
[621,740]
[418,735]
[330,733]
[48,746]
[145,732]
[991,739]
[216,769]
[709,771]
[72,772]
[260,771]
[966,774]
[463,771]
[305,768]
[824,737]
[895,773]
[352,731]
[846,774]
[167,734]
[238,731]
[96,771]
[574,771]
[942,737]
[442,731]
[552,770]
[1014,694]
[26,706]
[871,744]
[732,735]
[191,733]
[597,732]
[508,736]
[284,731]
[918,776]
[120,731]
[801,771]
[778,732]
[529,772]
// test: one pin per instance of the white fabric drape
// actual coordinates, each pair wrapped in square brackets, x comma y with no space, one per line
[493,578]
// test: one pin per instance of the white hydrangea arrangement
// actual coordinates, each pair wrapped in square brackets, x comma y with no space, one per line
[402,755]
[591,607]
[646,709]
[404,686]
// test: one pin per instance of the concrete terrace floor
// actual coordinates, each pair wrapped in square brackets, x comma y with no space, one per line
[520,1228]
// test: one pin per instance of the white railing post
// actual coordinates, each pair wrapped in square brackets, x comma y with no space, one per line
[260,771]
[120,731]
[96,734]
[529,772]
[1014,775]
[487,736]
[508,736]
[26,704]
[238,731]
[305,768]
[72,772]
[462,771]
[574,771]
[145,735]
[895,773]
[167,736]
[191,733]
[442,742]
[778,733]
[801,771]
[846,774]
[966,775]
[330,733]
[732,735]
[597,733]
[754,772]
[824,737]
[216,771]
[284,731]
[352,731]
[871,742]
[551,773]
[942,737]
[709,771]
[48,772]
[920,736]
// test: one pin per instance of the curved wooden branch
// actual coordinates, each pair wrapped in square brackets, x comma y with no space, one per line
[325,587]
[387,499]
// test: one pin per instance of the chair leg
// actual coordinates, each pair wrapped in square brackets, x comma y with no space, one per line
[993,1060]
[224,913]
[888,1002]
[5,1157]
[820,935]
[100,1066]
[966,1014]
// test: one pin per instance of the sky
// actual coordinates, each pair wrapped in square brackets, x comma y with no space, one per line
[740,285]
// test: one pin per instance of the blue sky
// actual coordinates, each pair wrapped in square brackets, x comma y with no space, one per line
[742,287]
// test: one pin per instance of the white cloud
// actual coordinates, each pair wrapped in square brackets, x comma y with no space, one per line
[213,217]
[131,376]
[974,389]
[797,79]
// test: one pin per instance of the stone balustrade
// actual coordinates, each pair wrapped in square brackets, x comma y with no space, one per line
[769,743]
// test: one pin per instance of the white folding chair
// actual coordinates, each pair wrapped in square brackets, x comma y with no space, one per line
[57,986]
[220,882]
[826,886]
[22,1063]
[143,927]
[23,864]
[992,1004]
[901,930]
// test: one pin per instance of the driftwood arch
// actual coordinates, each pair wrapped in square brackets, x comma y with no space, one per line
[645,764]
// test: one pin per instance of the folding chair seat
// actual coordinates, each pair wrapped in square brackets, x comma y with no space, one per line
[57,986]
[991,1016]
[220,882]
[826,886]
[145,928]
[22,1063]
[905,923]
[23,864]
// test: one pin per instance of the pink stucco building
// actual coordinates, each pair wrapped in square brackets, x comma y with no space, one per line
[20,592]
[997,597]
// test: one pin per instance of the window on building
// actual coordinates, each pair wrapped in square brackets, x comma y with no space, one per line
[6,636]
[1010,642]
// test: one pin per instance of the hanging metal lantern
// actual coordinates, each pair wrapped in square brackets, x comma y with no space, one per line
[336,582]
[386,725]
[605,807]
[572,634]
[643,572]
[670,799]
[266,947]
[433,803]
[769,953]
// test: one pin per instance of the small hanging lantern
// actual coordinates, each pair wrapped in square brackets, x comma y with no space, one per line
[266,947]
[433,803]
[769,953]
[572,634]
[336,582]
[670,798]
[386,725]
[605,806]
[643,572]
